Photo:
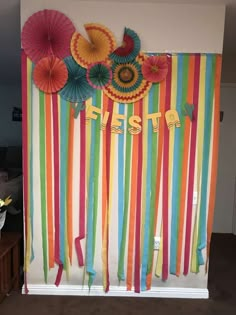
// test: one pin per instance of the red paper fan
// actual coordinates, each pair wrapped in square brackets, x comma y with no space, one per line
[47,33]
[50,74]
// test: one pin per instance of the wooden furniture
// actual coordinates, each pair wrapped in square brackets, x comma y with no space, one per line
[9,263]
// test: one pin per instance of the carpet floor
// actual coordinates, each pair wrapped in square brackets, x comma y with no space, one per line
[222,288]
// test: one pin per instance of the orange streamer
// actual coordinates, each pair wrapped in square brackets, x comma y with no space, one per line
[49,179]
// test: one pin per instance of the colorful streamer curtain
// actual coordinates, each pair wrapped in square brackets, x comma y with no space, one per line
[93,183]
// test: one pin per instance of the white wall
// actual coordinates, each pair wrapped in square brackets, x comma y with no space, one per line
[227,163]
[10,131]
[172,28]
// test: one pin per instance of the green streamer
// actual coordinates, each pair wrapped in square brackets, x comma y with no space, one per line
[42,150]
[96,168]
[121,273]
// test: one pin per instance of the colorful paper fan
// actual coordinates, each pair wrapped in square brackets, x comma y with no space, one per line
[127,84]
[129,49]
[50,74]
[155,68]
[99,75]
[77,88]
[98,49]
[47,33]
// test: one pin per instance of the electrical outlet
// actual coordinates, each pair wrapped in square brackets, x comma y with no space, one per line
[157,242]
[195,195]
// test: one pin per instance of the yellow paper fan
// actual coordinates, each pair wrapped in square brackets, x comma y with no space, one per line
[100,45]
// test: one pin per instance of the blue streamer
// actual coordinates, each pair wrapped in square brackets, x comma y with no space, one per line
[89,253]
[175,204]
[148,196]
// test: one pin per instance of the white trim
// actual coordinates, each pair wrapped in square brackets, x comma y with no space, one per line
[75,290]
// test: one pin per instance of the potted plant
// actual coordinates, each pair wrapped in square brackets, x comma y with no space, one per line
[3,210]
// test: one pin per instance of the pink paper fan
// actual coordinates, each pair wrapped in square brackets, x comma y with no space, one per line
[47,33]
[155,68]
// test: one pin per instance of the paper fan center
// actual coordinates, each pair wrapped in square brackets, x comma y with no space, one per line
[126,74]
[154,69]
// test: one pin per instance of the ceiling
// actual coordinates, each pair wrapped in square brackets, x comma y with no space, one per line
[10,38]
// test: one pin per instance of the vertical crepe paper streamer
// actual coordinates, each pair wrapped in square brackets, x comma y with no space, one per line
[159,168]
[192,154]
[165,193]
[214,157]
[70,183]
[104,196]
[82,189]
[64,136]
[48,121]
[138,206]
[92,193]
[128,143]
[185,164]
[178,159]
[24,76]
[153,189]
[133,193]
[42,150]
[209,94]
[56,172]
[148,193]
[109,182]
[199,160]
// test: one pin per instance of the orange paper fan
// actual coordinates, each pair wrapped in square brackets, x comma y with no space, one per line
[50,74]
[100,45]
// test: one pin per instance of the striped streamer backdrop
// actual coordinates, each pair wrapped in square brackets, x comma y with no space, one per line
[101,197]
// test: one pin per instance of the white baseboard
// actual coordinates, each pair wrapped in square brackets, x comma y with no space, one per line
[75,290]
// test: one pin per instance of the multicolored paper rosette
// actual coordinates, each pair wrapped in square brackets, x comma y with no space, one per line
[155,68]
[47,33]
[101,43]
[128,84]
[129,49]
[77,88]
[50,74]
[99,75]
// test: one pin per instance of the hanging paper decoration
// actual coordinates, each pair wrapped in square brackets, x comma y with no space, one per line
[47,33]
[101,43]
[50,74]
[155,68]
[187,110]
[99,75]
[127,84]
[77,88]
[129,49]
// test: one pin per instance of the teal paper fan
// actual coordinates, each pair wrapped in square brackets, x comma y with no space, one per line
[129,49]
[99,75]
[77,88]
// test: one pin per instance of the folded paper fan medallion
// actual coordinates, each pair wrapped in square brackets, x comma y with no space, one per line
[97,49]
[99,75]
[77,88]
[155,68]
[129,49]
[50,74]
[128,84]
[47,33]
